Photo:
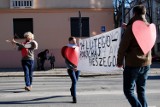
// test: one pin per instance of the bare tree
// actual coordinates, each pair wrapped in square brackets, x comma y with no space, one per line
[122,10]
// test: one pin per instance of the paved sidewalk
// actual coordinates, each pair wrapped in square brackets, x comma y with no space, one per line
[155,70]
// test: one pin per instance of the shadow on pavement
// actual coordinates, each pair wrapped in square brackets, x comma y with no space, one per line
[155,65]
[36,101]
[16,90]
[155,77]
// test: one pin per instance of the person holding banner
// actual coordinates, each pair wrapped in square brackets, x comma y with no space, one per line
[137,61]
[27,50]
[72,68]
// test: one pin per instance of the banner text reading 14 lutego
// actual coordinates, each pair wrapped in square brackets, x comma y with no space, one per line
[99,53]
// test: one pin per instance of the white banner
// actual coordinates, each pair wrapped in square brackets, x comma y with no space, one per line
[99,53]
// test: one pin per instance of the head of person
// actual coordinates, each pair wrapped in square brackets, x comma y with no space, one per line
[29,36]
[72,40]
[46,50]
[139,10]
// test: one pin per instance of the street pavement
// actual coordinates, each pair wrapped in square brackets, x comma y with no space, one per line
[11,72]
[51,89]
[98,91]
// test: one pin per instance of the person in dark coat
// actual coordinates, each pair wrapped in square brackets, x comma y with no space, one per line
[137,64]
[42,56]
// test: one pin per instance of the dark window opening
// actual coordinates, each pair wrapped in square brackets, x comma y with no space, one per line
[158,47]
[75,27]
[27,3]
[16,3]
[30,3]
[22,25]
[19,3]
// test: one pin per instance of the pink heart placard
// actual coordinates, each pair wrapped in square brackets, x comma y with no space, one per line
[145,35]
[71,54]
[63,51]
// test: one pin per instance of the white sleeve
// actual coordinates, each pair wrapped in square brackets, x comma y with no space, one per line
[28,45]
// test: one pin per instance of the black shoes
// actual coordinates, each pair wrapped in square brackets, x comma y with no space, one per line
[71,91]
[74,100]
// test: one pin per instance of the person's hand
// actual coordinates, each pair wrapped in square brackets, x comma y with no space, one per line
[124,25]
[13,41]
[75,69]
[119,66]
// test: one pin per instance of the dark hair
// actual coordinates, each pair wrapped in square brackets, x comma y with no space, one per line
[139,10]
[46,50]
[71,38]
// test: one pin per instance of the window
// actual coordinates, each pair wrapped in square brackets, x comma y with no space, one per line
[22,25]
[75,27]
[21,3]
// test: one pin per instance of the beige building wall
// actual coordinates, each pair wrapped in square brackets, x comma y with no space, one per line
[64,3]
[73,3]
[51,28]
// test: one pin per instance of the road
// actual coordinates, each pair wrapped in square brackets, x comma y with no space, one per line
[98,91]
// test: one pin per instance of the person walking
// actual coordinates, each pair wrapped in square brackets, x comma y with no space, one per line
[27,50]
[72,70]
[137,64]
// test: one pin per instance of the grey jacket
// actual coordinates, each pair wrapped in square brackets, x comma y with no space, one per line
[29,48]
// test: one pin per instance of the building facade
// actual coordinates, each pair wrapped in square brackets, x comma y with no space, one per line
[52,22]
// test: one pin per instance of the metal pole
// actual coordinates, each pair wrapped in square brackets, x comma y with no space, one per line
[80,24]
[123,11]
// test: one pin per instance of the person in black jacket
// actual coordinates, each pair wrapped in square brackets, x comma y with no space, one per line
[42,56]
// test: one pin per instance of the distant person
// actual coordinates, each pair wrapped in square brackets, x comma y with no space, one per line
[73,72]
[137,64]
[42,56]
[52,60]
[27,50]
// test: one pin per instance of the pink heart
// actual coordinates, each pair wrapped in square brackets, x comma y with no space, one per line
[71,54]
[63,51]
[145,35]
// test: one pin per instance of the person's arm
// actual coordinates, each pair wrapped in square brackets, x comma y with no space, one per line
[124,44]
[124,25]
[70,66]
[27,45]
[20,45]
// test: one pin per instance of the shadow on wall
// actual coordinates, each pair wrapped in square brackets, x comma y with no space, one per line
[12,59]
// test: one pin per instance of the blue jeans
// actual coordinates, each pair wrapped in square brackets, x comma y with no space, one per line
[28,66]
[135,76]
[74,78]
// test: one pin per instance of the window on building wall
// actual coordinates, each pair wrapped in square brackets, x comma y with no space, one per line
[21,3]
[22,25]
[75,27]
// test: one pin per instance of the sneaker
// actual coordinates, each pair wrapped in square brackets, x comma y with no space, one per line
[74,100]
[71,91]
[27,88]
